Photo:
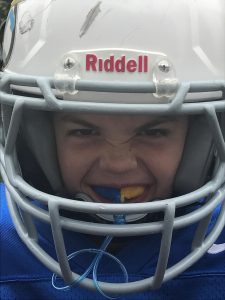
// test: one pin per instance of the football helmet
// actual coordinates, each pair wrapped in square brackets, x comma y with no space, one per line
[139,57]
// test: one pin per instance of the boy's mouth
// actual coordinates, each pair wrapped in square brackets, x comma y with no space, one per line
[127,194]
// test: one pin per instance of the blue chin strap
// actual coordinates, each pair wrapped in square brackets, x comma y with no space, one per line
[113,195]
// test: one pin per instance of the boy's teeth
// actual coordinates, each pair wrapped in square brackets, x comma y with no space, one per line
[131,192]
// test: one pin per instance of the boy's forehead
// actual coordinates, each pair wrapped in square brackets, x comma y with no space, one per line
[96,119]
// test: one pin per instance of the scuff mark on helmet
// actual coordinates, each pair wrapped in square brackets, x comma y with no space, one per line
[26,23]
[91,16]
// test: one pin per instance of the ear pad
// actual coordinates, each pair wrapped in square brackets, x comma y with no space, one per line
[30,169]
[37,150]
[198,157]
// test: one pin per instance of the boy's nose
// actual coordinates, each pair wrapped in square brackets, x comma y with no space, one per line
[118,159]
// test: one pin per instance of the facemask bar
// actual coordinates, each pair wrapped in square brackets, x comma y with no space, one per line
[17,187]
[161,274]
[50,102]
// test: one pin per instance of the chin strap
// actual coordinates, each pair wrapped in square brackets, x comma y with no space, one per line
[93,268]
[99,253]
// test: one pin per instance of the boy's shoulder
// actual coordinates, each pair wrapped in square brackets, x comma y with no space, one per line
[15,258]
[22,276]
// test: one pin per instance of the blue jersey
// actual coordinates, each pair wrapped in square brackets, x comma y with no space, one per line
[23,277]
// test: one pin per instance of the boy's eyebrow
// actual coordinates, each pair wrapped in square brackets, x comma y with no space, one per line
[76,120]
[152,123]
[156,122]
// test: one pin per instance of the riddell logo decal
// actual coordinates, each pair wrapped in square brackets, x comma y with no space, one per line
[122,64]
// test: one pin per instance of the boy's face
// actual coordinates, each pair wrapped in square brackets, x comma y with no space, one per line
[119,151]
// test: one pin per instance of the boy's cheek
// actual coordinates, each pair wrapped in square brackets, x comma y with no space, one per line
[74,170]
[72,181]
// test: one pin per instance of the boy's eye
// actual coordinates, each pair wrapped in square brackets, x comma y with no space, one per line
[154,132]
[83,132]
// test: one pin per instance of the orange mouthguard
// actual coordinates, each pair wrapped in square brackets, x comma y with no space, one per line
[130,192]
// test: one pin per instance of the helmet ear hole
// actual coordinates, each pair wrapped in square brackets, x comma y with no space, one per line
[198,157]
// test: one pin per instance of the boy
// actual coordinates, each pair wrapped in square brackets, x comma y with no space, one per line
[112,150]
